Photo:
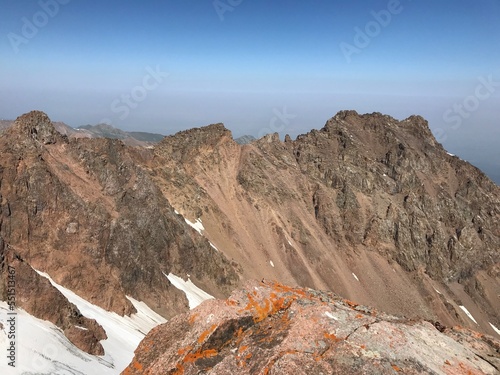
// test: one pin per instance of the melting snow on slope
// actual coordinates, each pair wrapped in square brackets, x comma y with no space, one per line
[124,333]
[194,294]
[197,226]
[355,276]
[42,348]
[495,329]
[271,263]
[468,314]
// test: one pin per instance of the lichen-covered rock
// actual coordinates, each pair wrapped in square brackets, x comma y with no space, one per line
[269,328]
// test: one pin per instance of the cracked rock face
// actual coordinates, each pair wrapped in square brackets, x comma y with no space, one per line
[269,328]
[87,213]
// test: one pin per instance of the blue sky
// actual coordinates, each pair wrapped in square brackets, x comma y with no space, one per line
[257,65]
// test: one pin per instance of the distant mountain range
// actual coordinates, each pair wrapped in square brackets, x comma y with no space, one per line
[141,139]
[144,139]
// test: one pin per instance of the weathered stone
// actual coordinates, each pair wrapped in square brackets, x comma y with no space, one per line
[269,328]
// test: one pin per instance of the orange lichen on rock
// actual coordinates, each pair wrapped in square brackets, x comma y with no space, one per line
[192,318]
[193,357]
[184,350]
[350,303]
[270,305]
[136,366]
[396,368]
[331,337]
[260,312]
[206,333]
[280,288]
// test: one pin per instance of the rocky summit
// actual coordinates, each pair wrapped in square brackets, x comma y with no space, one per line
[368,207]
[269,328]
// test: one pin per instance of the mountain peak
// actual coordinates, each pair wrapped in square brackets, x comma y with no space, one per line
[36,125]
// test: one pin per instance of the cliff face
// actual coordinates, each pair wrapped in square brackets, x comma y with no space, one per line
[369,207]
[88,214]
[269,328]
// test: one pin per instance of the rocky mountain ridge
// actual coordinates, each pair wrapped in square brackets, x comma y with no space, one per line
[368,207]
[82,211]
[137,139]
[362,205]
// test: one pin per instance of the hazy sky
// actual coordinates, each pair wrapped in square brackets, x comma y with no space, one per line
[257,65]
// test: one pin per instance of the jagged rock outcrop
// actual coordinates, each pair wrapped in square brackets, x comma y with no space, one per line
[269,328]
[368,206]
[135,139]
[38,297]
[87,212]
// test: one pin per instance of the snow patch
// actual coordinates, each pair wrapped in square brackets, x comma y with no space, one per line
[177,212]
[495,329]
[197,225]
[53,353]
[468,313]
[331,316]
[355,276]
[211,244]
[271,263]
[42,348]
[437,291]
[450,154]
[194,294]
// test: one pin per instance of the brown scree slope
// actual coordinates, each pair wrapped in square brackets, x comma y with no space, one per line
[365,198]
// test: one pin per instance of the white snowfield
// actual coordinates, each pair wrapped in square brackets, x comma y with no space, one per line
[194,294]
[42,347]
[468,314]
[197,226]
[495,329]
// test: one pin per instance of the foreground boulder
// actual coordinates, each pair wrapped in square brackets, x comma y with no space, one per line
[269,328]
